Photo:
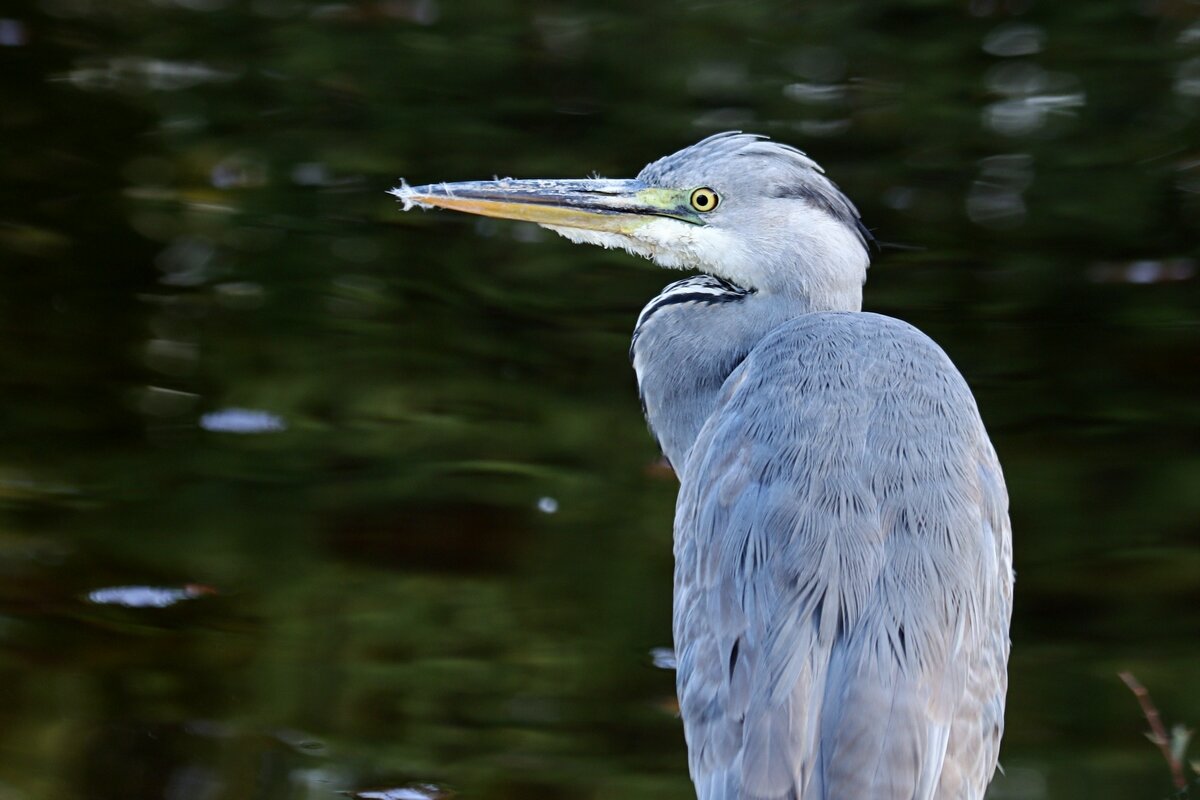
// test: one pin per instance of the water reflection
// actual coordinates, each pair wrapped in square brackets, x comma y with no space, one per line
[146,596]
[1187,78]
[13,33]
[1032,97]
[441,551]
[422,792]
[996,197]
[242,420]
[146,74]
[663,658]
[1014,39]
[1144,271]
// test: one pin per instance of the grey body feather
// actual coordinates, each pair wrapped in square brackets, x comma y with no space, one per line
[843,556]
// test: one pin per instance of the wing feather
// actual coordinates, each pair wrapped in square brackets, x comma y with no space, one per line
[843,573]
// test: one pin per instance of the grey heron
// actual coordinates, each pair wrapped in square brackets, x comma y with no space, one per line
[843,554]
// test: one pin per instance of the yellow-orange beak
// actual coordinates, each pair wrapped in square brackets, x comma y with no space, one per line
[615,206]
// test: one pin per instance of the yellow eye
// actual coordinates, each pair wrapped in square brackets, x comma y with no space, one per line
[705,199]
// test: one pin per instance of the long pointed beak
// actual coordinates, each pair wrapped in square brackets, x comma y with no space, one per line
[616,206]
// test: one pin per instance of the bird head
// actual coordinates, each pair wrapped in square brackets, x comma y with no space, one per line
[757,213]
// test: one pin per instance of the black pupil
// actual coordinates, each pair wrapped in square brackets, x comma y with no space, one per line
[702,200]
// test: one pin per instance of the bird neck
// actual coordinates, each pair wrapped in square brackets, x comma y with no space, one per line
[791,302]
[822,268]
[690,338]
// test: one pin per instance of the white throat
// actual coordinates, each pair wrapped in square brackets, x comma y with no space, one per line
[802,254]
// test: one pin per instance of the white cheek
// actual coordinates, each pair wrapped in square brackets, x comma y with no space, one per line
[679,245]
[605,239]
[667,242]
[676,245]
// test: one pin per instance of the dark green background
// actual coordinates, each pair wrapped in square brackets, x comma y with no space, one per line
[193,217]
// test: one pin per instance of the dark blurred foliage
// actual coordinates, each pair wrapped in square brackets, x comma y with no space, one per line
[446,559]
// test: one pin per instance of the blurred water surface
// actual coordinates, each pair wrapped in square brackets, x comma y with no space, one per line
[302,496]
